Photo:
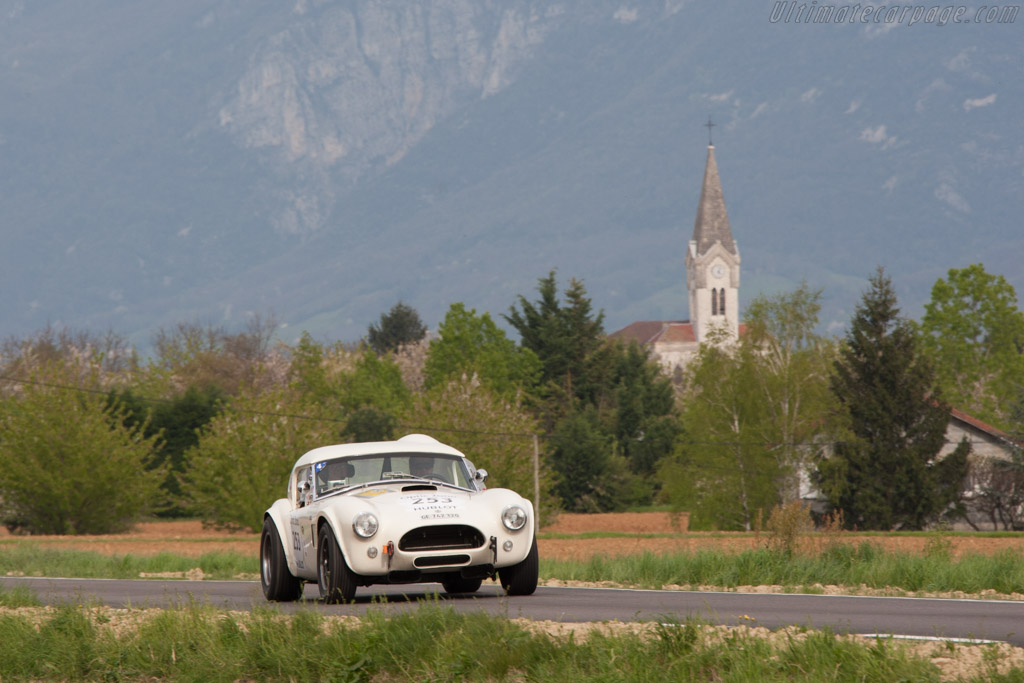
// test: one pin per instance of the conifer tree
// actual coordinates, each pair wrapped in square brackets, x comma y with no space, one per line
[401,325]
[562,337]
[888,474]
[606,410]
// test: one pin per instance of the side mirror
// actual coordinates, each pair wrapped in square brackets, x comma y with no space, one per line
[480,475]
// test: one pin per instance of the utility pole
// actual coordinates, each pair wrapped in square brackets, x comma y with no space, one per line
[536,480]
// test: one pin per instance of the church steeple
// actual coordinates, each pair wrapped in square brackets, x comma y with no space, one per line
[713,261]
[712,224]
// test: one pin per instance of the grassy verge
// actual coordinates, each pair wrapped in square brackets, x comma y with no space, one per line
[18,597]
[764,535]
[432,643]
[843,565]
[866,564]
[26,559]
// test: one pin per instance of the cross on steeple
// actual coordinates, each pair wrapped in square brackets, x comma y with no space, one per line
[709,126]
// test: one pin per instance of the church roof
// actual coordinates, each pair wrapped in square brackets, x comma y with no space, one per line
[712,223]
[648,332]
[644,331]
[652,331]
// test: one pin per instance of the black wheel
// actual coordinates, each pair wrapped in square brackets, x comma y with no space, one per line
[337,582]
[521,579]
[278,583]
[460,585]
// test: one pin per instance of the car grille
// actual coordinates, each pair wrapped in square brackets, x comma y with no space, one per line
[442,537]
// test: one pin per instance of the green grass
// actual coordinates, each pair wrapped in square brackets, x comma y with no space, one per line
[607,534]
[37,560]
[19,596]
[934,570]
[840,565]
[198,643]
[762,535]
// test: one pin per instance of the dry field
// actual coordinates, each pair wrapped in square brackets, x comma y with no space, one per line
[643,531]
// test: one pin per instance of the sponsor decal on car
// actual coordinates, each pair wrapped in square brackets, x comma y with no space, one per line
[440,515]
[431,503]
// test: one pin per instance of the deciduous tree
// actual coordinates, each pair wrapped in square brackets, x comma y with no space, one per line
[68,462]
[374,381]
[469,344]
[244,455]
[722,470]
[754,413]
[175,422]
[973,332]
[191,354]
[494,431]
[791,366]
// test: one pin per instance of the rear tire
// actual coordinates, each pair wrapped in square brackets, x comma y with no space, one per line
[461,585]
[336,581]
[521,579]
[278,583]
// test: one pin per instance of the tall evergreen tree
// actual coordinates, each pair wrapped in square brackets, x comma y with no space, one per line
[888,475]
[607,410]
[400,325]
[562,337]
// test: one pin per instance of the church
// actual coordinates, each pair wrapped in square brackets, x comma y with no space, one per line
[712,280]
[713,283]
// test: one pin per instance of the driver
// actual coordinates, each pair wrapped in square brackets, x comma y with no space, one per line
[421,466]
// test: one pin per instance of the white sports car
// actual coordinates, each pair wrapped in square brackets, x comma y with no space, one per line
[406,511]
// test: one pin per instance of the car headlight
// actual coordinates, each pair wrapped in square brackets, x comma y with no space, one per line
[365,524]
[513,517]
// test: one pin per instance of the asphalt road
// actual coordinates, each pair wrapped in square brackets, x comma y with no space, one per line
[999,620]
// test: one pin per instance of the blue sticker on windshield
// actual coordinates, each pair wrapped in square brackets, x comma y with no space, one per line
[320,465]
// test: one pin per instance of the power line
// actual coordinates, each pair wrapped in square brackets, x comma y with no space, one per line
[268,413]
[449,430]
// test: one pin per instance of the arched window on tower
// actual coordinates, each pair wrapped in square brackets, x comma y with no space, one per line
[721,301]
[714,302]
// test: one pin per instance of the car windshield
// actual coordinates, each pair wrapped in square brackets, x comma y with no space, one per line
[364,469]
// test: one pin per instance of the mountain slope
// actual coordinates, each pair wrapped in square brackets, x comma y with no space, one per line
[323,160]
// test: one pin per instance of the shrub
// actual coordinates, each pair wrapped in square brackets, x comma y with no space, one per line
[245,454]
[786,524]
[68,462]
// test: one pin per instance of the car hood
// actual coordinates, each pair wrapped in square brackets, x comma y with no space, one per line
[409,502]
[415,497]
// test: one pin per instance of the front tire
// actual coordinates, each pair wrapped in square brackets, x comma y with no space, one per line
[521,579]
[461,585]
[336,581]
[278,583]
